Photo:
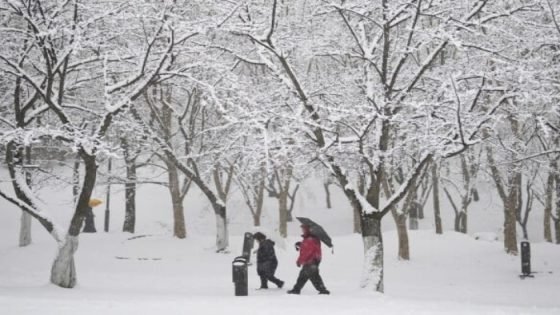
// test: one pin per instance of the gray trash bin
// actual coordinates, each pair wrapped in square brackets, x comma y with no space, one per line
[240,276]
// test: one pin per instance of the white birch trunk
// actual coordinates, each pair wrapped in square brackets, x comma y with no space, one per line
[25,229]
[372,277]
[63,272]
[222,239]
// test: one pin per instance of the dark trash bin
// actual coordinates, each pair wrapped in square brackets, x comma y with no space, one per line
[525,259]
[240,276]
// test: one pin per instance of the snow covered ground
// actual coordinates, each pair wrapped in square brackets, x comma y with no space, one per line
[448,274]
[161,275]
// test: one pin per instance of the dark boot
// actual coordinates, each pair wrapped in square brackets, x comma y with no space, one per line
[264,283]
[279,283]
[294,291]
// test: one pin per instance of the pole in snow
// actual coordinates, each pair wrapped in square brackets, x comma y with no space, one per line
[108,198]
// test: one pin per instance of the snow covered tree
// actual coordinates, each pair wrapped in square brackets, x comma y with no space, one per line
[384,93]
[547,73]
[168,128]
[469,166]
[279,186]
[250,177]
[203,109]
[65,55]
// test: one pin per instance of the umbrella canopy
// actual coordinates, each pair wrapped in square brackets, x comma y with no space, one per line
[94,202]
[316,230]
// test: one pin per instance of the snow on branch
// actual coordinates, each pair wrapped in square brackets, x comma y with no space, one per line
[366,207]
[400,193]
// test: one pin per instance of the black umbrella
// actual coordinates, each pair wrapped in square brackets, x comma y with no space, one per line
[316,230]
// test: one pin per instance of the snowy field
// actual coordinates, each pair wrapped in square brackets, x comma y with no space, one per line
[449,274]
[183,277]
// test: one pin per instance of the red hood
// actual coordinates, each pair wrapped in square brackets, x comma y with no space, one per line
[306,231]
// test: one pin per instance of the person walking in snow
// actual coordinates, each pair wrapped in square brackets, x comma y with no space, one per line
[309,260]
[266,261]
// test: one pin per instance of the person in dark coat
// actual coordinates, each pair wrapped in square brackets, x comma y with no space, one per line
[266,261]
[309,260]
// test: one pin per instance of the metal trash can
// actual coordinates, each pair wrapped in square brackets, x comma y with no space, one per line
[525,259]
[240,276]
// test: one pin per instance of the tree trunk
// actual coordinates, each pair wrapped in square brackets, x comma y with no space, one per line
[259,202]
[525,232]
[409,208]
[404,249]
[510,200]
[357,220]
[76,180]
[461,222]
[435,191]
[420,211]
[373,249]
[219,205]
[291,203]
[356,210]
[510,222]
[89,222]
[63,271]
[84,197]
[413,214]
[462,215]
[328,195]
[557,229]
[25,227]
[557,220]
[14,156]
[283,213]
[549,194]
[108,198]
[129,224]
[222,239]
[256,220]
[179,228]
[25,230]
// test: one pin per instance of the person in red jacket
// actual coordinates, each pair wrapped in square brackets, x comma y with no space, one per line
[309,260]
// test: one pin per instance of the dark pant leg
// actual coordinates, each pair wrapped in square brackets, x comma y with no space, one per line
[262,271]
[275,280]
[315,278]
[269,273]
[302,278]
[266,272]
